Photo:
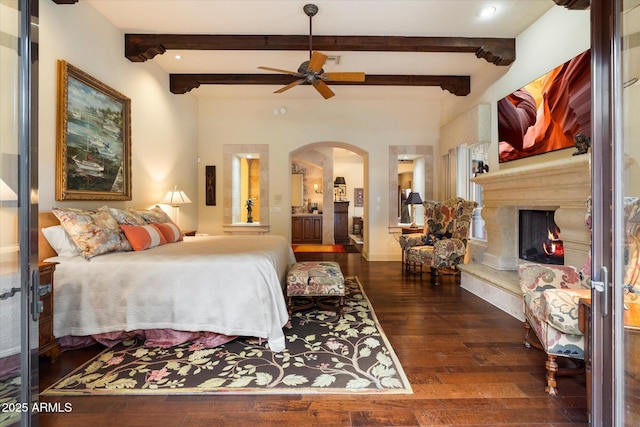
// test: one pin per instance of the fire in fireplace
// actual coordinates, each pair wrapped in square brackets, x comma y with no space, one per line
[539,237]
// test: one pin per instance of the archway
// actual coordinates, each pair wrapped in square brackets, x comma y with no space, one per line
[321,155]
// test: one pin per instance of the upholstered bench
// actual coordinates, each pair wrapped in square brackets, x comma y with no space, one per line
[312,280]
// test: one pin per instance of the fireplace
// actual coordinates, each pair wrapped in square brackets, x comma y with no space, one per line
[539,237]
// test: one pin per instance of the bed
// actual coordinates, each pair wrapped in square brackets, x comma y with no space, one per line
[224,285]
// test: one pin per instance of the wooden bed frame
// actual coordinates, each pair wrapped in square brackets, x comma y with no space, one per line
[45,219]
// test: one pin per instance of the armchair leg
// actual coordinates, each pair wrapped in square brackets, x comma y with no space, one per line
[434,276]
[552,368]
[527,332]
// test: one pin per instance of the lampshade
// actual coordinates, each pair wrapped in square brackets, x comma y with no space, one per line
[175,197]
[6,193]
[414,199]
[339,181]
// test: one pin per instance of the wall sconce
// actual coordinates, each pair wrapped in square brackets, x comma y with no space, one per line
[317,189]
[175,198]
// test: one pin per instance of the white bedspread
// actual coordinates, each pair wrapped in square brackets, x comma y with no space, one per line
[226,284]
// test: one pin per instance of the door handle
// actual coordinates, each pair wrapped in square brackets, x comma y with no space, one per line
[37,291]
[603,288]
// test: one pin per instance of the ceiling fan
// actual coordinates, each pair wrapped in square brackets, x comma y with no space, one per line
[311,72]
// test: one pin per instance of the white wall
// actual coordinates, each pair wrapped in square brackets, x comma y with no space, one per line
[164,126]
[553,39]
[371,125]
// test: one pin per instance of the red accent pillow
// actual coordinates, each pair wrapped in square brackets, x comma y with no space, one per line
[143,237]
[170,231]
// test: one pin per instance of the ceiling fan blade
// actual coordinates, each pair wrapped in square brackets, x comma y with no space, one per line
[278,70]
[317,61]
[322,88]
[289,86]
[343,77]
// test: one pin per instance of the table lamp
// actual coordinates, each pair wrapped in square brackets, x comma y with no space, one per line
[175,198]
[413,199]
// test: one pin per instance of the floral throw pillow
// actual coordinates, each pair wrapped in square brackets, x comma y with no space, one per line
[95,232]
[155,215]
[126,217]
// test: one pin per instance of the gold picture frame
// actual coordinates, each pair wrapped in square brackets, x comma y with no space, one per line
[93,149]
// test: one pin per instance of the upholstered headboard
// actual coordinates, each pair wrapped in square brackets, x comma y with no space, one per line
[45,219]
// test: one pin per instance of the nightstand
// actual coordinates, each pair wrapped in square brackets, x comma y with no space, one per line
[47,342]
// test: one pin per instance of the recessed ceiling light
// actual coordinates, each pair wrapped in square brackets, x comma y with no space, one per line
[178,56]
[487,11]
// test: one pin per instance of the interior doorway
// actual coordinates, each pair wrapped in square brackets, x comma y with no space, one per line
[324,167]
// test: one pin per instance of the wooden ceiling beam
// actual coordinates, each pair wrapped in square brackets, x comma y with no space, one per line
[142,47]
[183,83]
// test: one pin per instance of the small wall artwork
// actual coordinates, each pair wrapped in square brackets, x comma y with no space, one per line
[210,186]
[548,113]
[358,197]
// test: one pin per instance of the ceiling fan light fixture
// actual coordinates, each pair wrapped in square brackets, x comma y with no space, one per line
[310,9]
[311,72]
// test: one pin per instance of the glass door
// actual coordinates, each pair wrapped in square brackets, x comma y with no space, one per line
[18,208]
[615,341]
[628,355]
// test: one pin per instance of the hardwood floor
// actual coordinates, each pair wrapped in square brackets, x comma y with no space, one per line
[464,358]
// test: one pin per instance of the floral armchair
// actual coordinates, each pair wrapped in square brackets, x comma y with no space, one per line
[551,295]
[444,241]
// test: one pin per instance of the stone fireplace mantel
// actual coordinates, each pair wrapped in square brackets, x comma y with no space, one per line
[562,185]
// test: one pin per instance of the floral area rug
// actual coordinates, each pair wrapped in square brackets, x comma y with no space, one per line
[324,354]
[10,409]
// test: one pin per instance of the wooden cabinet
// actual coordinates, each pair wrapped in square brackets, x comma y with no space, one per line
[46,341]
[306,229]
[341,222]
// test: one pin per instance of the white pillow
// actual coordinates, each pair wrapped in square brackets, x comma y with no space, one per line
[61,242]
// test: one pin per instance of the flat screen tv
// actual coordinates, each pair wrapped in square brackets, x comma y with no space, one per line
[548,113]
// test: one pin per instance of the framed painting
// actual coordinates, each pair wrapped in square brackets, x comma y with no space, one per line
[358,197]
[210,187]
[547,114]
[93,150]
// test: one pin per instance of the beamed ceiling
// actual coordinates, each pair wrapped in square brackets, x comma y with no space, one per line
[142,47]
[431,43]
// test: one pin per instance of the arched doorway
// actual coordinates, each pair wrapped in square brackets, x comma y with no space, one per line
[320,163]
